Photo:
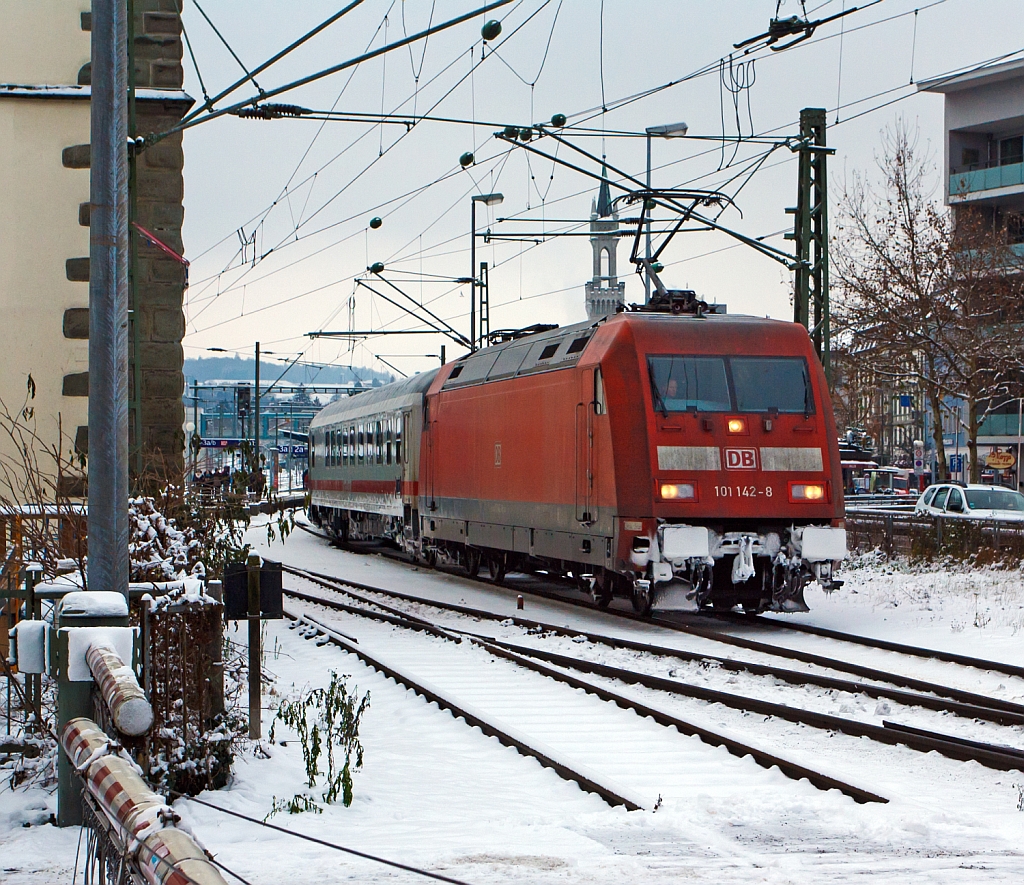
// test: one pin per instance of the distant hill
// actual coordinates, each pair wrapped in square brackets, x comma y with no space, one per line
[230,369]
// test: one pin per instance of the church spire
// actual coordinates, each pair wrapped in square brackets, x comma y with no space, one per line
[606,293]
[604,195]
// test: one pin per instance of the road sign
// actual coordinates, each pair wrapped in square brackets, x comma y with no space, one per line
[956,463]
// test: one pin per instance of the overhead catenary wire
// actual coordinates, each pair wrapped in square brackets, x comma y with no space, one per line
[701,71]
[191,120]
[872,109]
[234,55]
[536,12]
[376,159]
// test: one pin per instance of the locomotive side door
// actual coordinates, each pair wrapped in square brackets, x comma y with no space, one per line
[429,439]
[585,448]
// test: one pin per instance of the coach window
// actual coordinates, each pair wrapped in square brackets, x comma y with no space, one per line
[329,445]
[389,421]
[398,439]
[379,444]
[360,444]
[600,406]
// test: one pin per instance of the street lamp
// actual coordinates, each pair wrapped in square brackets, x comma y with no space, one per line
[487,200]
[669,130]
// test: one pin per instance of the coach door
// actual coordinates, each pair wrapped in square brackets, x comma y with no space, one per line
[585,447]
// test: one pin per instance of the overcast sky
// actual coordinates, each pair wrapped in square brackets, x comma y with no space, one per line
[308,190]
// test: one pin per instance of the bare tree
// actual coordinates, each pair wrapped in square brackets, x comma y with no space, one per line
[924,300]
[39,480]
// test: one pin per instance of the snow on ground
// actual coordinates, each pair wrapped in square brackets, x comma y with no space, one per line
[437,794]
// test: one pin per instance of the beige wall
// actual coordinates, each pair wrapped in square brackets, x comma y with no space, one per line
[66,44]
[39,230]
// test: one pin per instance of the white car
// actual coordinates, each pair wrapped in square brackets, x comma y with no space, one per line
[971,502]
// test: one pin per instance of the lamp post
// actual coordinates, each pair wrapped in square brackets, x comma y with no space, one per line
[669,130]
[487,200]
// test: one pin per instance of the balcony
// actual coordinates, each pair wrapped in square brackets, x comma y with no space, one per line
[973,182]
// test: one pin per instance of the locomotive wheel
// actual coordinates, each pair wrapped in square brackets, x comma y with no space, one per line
[471,561]
[642,602]
[496,565]
[602,593]
[430,557]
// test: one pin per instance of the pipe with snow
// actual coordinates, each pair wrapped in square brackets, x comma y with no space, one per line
[131,712]
[164,854]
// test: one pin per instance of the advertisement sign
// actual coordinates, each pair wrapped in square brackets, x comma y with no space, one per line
[1000,460]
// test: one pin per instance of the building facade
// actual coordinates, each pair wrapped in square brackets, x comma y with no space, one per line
[983,165]
[44,228]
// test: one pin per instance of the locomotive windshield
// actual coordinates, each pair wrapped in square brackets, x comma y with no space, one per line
[731,384]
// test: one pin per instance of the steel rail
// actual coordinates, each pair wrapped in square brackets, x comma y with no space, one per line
[1001,748]
[472,719]
[931,700]
[764,759]
[887,645]
[990,756]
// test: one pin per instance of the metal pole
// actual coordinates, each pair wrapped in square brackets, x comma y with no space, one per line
[108,300]
[1020,410]
[256,416]
[135,374]
[647,268]
[195,426]
[252,566]
[472,275]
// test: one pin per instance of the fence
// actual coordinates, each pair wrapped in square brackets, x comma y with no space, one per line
[909,534]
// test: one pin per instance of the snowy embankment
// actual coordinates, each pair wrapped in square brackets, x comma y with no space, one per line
[439,795]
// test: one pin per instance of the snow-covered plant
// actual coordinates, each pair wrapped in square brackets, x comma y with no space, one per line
[326,721]
[157,549]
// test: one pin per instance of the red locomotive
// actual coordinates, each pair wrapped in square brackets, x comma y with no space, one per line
[683,460]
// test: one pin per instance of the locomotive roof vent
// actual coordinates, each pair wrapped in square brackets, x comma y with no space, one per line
[678,302]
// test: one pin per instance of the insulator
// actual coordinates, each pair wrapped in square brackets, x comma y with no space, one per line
[491,29]
[375,222]
[466,159]
[377,267]
[558,120]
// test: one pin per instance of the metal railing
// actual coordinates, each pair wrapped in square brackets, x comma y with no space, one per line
[909,533]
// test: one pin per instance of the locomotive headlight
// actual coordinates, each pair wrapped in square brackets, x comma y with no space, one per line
[807,491]
[737,425]
[677,491]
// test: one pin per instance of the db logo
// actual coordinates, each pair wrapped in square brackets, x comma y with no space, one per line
[741,459]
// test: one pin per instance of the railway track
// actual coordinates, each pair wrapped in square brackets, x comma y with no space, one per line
[572,770]
[708,630]
[563,668]
[937,697]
